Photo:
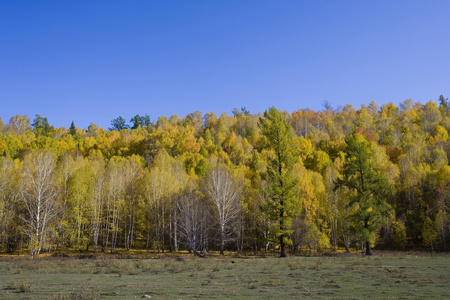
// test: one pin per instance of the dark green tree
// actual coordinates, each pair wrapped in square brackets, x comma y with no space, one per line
[41,126]
[72,129]
[119,124]
[327,105]
[243,112]
[443,104]
[140,121]
[282,204]
[367,187]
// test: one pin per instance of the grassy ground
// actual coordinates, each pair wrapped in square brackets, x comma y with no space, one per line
[342,276]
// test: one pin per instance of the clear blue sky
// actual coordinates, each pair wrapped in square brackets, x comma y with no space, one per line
[92,61]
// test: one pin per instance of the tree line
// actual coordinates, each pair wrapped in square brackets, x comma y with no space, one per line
[307,180]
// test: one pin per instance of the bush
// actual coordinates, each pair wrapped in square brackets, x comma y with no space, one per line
[20,286]
[317,240]
[399,236]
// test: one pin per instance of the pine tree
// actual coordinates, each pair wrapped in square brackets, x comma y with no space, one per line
[361,175]
[72,129]
[281,206]
[119,124]
[41,126]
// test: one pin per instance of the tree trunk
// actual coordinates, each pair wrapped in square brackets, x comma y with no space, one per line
[222,241]
[335,230]
[347,248]
[198,254]
[175,236]
[283,247]
[282,228]
[368,250]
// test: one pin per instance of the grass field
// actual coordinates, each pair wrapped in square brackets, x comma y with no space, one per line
[341,276]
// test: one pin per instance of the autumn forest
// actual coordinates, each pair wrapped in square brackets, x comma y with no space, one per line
[377,177]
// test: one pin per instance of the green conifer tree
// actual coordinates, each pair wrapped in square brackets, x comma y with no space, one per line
[282,205]
[72,129]
[367,186]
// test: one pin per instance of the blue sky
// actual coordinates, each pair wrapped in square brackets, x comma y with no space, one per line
[92,61]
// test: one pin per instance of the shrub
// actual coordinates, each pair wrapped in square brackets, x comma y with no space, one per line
[292,265]
[399,236]
[20,286]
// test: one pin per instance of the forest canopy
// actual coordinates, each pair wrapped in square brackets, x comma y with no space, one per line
[377,176]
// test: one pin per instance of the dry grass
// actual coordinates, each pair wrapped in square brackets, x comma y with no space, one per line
[339,276]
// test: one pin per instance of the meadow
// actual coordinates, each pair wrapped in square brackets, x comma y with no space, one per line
[342,276]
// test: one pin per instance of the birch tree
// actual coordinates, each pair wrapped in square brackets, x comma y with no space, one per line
[96,202]
[8,199]
[115,200]
[133,175]
[39,192]
[192,213]
[221,187]
[78,198]
[157,186]
[161,185]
